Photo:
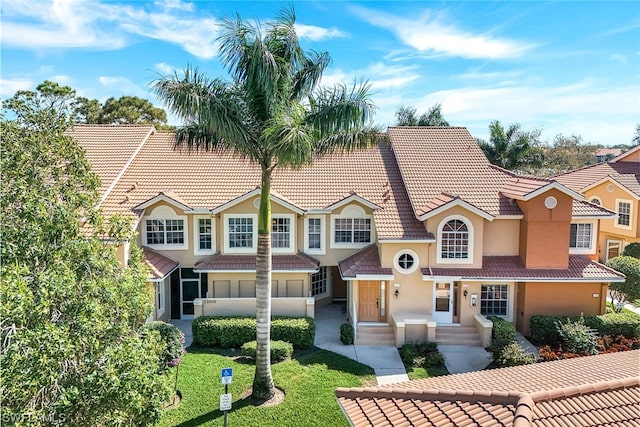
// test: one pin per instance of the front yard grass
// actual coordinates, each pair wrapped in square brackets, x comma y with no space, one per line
[309,380]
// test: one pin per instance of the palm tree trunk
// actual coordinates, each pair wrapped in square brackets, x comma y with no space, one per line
[263,387]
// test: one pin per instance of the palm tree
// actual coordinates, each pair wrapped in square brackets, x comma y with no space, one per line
[512,148]
[274,113]
[407,116]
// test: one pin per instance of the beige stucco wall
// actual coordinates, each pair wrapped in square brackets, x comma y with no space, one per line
[297,307]
[501,237]
[608,199]
[235,285]
[166,315]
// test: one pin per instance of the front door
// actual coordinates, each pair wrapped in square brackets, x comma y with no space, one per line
[371,302]
[442,297]
[189,291]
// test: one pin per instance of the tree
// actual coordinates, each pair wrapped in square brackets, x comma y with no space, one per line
[512,148]
[132,110]
[70,350]
[636,136]
[628,290]
[273,113]
[568,153]
[632,249]
[407,116]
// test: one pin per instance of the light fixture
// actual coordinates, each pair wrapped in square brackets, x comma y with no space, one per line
[465,293]
[397,288]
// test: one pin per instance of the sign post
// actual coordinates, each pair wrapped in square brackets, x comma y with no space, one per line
[225,399]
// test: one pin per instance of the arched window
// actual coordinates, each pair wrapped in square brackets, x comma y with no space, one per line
[596,201]
[454,240]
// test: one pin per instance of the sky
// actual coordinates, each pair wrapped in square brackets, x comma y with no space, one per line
[566,67]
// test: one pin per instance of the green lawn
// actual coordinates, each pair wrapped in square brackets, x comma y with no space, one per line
[309,381]
[418,373]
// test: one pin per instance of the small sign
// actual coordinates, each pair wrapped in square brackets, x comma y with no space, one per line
[225,402]
[227,375]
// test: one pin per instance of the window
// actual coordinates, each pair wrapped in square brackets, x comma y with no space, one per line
[352,230]
[159,299]
[406,261]
[204,234]
[314,233]
[319,282]
[596,201]
[165,232]
[624,214]
[280,233]
[494,300]
[455,240]
[580,236]
[613,249]
[240,232]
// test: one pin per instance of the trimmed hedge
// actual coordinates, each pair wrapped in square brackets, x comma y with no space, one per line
[502,334]
[233,331]
[172,338]
[543,329]
[346,333]
[280,350]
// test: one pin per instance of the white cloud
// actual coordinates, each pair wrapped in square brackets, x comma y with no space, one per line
[431,34]
[313,33]
[386,76]
[619,58]
[164,68]
[122,85]
[8,87]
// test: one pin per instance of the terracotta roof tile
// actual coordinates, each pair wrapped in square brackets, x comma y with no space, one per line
[574,392]
[436,160]
[218,262]
[365,262]
[582,208]
[160,266]
[511,267]
[627,174]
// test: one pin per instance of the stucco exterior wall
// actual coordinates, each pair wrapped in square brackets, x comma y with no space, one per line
[609,200]
[500,237]
[239,285]
[558,298]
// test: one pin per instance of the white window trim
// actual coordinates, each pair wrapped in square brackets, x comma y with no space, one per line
[161,297]
[229,249]
[592,198]
[510,299]
[469,224]
[631,214]
[319,251]
[351,212]
[594,236]
[292,235]
[164,213]
[196,235]
[610,242]
[327,291]
[396,259]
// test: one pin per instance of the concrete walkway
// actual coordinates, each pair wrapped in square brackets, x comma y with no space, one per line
[185,327]
[384,359]
[465,358]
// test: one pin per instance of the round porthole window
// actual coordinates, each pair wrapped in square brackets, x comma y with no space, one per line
[406,261]
[551,202]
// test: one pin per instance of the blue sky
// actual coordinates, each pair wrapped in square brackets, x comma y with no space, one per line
[562,67]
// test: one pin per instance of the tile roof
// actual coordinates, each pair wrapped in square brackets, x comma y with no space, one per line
[208,180]
[588,391]
[110,148]
[437,160]
[582,208]
[627,174]
[363,263]
[218,262]
[159,265]
[580,268]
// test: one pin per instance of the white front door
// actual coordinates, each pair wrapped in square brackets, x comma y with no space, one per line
[189,290]
[442,298]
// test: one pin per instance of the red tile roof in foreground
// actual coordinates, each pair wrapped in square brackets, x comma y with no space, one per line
[298,262]
[363,263]
[581,268]
[159,265]
[602,390]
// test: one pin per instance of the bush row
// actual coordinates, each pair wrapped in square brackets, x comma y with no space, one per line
[502,334]
[233,331]
[280,350]
[542,328]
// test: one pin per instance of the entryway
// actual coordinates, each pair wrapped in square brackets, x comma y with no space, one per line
[372,301]
[442,302]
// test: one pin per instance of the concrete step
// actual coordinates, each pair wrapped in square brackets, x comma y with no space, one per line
[457,335]
[375,335]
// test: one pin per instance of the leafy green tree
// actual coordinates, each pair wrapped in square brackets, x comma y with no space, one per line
[512,148]
[408,116]
[70,350]
[629,290]
[273,113]
[632,249]
[568,153]
[87,110]
[131,110]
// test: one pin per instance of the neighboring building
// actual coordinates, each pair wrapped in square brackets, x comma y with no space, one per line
[606,154]
[416,233]
[602,390]
[614,185]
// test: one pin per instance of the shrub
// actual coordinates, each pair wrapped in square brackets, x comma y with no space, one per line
[280,350]
[502,334]
[542,329]
[514,355]
[423,355]
[233,331]
[628,290]
[632,249]
[172,337]
[577,337]
[433,359]
[346,333]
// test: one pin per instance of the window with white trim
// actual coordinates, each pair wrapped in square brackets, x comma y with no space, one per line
[280,232]
[352,230]
[596,201]
[318,283]
[624,213]
[240,232]
[314,233]
[494,300]
[406,261]
[165,232]
[159,299]
[205,234]
[580,236]
[455,240]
